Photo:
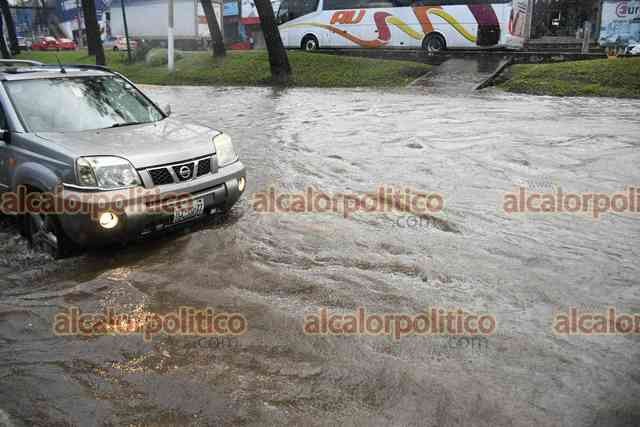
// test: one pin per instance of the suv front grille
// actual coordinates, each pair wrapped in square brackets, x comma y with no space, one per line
[180,172]
[204,167]
[161,176]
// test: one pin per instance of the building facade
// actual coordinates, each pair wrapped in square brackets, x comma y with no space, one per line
[71,19]
[563,18]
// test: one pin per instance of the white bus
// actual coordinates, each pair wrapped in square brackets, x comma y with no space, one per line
[434,25]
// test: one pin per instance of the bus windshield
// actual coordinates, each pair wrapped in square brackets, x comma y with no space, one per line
[292,9]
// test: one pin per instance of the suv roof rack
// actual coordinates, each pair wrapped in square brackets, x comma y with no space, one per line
[11,62]
[81,66]
[35,66]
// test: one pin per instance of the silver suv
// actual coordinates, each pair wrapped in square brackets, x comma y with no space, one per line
[86,158]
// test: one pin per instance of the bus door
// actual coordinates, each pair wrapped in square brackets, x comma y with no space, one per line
[298,12]
[282,16]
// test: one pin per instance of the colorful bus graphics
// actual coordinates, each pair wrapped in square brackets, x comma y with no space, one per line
[433,25]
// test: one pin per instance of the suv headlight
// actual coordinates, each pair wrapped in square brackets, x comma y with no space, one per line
[106,172]
[224,150]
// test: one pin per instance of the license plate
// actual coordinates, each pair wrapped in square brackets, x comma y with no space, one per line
[188,211]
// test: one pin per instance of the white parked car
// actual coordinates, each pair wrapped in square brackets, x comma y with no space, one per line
[119,43]
[24,43]
[633,48]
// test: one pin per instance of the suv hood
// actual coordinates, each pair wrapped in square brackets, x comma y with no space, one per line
[145,145]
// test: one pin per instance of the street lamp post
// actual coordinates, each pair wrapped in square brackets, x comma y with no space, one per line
[79,20]
[126,31]
[170,59]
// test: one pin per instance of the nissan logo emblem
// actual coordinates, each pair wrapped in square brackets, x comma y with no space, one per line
[185,172]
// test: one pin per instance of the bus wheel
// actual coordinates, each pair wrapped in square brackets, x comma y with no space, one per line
[434,42]
[310,43]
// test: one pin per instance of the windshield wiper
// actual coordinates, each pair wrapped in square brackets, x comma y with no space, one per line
[117,125]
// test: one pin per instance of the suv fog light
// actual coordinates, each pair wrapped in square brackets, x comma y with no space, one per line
[108,220]
[241,184]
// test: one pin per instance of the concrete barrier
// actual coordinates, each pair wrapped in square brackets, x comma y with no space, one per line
[419,55]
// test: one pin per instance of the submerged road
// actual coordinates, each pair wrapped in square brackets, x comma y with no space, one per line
[275,268]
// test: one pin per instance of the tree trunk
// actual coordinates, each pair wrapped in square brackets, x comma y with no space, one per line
[3,43]
[87,7]
[11,26]
[278,59]
[217,43]
[93,31]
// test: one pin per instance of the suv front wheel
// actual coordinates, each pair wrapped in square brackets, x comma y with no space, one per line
[45,234]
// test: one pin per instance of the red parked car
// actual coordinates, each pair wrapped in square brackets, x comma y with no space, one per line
[50,43]
[66,44]
[46,43]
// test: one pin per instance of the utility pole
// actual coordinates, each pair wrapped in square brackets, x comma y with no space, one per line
[170,63]
[126,31]
[586,37]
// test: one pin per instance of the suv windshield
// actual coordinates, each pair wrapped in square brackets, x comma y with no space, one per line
[87,102]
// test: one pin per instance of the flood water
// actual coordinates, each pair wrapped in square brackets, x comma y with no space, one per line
[274,268]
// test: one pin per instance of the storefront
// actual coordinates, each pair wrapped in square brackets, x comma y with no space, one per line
[69,14]
[250,19]
[564,18]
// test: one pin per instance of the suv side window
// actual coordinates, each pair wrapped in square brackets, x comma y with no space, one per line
[3,119]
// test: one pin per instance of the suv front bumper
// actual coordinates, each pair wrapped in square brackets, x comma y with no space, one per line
[143,212]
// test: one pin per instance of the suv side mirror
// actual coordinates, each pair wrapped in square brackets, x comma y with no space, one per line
[4,135]
[167,109]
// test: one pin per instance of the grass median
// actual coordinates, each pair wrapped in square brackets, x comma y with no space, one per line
[252,69]
[603,77]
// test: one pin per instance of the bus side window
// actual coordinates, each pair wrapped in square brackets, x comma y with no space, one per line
[454,2]
[426,3]
[310,6]
[342,4]
[365,4]
[377,3]
[295,9]
[292,9]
